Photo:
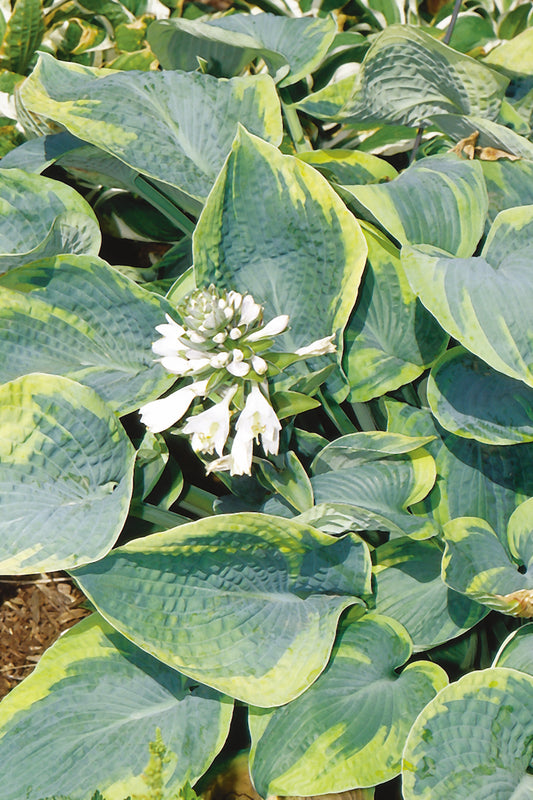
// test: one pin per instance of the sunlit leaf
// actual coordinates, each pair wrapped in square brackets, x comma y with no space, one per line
[88,712]
[348,167]
[291,47]
[473,740]
[363,470]
[234,600]
[293,245]
[517,650]
[66,467]
[41,217]
[473,479]
[472,400]
[173,126]
[408,76]
[483,301]
[349,728]
[489,569]
[390,337]
[411,590]
[439,201]
[23,35]
[77,316]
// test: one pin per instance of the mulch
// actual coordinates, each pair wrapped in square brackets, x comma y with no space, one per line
[34,611]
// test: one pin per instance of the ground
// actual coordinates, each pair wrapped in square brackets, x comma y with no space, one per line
[34,611]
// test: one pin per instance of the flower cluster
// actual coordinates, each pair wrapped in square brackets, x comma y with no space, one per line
[224,346]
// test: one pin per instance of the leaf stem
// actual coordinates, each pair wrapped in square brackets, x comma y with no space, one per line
[339,418]
[164,204]
[293,123]
[410,396]
[364,416]
[197,501]
[158,516]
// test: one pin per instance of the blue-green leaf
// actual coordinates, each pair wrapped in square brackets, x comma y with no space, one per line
[234,600]
[349,728]
[85,717]
[66,467]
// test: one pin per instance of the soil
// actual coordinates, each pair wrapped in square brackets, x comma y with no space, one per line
[34,611]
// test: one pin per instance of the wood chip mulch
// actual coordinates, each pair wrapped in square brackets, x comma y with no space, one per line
[34,611]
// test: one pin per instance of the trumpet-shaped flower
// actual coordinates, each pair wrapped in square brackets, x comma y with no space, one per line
[258,419]
[317,348]
[209,429]
[165,412]
[272,328]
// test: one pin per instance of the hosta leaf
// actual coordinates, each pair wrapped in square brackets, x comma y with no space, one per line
[291,47]
[509,184]
[382,484]
[332,102]
[349,166]
[293,245]
[23,35]
[407,76]
[473,479]
[349,728]
[471,31]
[144,60]
[234,600]
[66,469]
[88,712]
[37,154]
[471,399]
[41,217]
[116,12]
[515,57]
[174,126]
[152,458]
[440,200]
[517,650]
[483,301]
[79,317]
[179,42]
[390,338]
[473,740]
[361,448]
[287,477]
[411,590]
[477,563]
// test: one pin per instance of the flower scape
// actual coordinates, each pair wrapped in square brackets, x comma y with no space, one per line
[224,347]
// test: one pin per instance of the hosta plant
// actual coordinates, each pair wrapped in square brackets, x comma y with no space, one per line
[289,462]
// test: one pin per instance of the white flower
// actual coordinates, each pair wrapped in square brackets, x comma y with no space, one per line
[272,328]
[184,366]
[169,344]
[250,310]
[258,419]
[171,328]
[238,367]
[209,429]
[219,465]
[239,461]
[168,347]
[241,453]
[259,364]
[317,348]
[161,414]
